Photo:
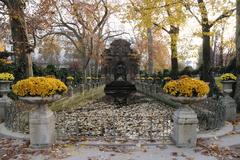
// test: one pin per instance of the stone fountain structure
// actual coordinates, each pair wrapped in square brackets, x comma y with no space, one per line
[121,66]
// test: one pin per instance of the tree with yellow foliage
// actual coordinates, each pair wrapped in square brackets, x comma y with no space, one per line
[202,10]
[166,15]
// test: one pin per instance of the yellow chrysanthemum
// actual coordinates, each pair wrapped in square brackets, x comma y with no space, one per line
[228,76]
[150,78]
[39,86]
[70,78]
[187,87]
[167,78]
[6,77]
[5,61]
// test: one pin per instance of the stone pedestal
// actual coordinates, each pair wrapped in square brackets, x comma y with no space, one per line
[41,121]
[185,127]
[82,87]
[42,127]
[70,91]
[154,89]
[230,107]
[5,101]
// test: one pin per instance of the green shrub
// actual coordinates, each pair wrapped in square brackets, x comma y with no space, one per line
[187,71]
[166,73]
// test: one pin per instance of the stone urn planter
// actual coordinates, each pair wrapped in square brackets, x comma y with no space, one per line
[5,101]
[41,121]
[142,79]
[187,100]
[186,91]
[70,88]
[40,91]
[5,86]
[227,85]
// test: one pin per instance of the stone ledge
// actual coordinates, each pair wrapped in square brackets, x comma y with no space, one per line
[7,133]
[227,128]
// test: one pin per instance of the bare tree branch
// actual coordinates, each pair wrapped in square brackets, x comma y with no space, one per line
[111,36]
[103,18]
[222,16]
[192,13]
[157,25]
[63,34]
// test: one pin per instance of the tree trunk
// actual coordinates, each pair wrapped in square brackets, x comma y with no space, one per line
[205,74]
[214,55]
[237,90]
[221,48]
[19,37]
[150,50]
[174,34]
[238,34]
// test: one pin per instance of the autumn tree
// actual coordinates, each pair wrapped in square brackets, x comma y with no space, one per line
[166,15]
[50,51]
[83,24]
[160,53]
[216,8]
[16,13]
[15,9]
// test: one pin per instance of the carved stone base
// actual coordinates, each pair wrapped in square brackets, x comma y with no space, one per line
[230,107]
[185,127]
[4,102]
[42,127]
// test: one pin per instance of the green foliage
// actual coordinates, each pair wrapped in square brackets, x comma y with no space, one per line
[10,68]
[50,70]
[231,68]
[61,73]
[187,71]
[195,72]
[166,73]
[37,71]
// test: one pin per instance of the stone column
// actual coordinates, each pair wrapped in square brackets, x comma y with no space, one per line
[185,127]
[230,107]
[145,88]
[154,89]
[5,102]
[70,91]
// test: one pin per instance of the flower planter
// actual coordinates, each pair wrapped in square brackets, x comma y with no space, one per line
[41,121]
[187,100]
[5,86]
[5,101]
[227,85]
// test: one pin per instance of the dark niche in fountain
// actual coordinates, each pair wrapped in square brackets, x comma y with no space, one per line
[120,89]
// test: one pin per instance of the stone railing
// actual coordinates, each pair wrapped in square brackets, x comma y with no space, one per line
[155,91]
[209,117]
